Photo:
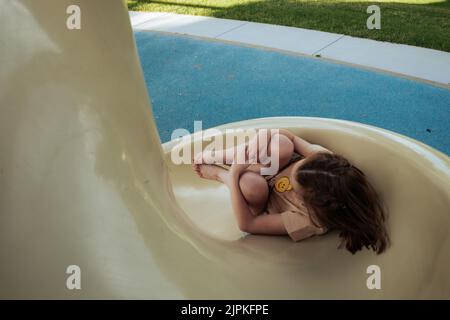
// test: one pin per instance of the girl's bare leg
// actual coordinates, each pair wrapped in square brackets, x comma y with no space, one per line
[262,142]
[254,187]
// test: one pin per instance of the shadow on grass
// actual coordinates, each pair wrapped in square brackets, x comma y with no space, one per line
[423,25]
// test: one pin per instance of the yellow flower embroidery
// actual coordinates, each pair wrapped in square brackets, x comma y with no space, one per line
[283,184]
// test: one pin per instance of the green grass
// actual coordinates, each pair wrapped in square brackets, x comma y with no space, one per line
[423,23]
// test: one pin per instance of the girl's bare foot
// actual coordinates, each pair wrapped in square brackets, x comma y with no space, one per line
[209,172]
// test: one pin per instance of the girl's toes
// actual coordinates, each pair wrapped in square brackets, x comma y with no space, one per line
[198,158]
[196,168]
[208,171]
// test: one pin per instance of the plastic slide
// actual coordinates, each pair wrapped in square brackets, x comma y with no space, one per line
[85,181]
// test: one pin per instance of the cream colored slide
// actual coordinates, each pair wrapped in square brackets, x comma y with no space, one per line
[85,182]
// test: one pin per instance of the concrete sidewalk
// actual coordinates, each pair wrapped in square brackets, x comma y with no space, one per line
[421,63]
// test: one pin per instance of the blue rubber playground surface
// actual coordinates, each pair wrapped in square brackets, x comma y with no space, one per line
[191,80]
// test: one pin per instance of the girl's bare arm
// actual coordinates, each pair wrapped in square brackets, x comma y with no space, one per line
[247,222]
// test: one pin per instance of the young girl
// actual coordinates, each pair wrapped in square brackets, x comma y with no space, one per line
[314,191]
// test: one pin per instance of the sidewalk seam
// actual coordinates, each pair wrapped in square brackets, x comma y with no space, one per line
[232,29]
[331,43]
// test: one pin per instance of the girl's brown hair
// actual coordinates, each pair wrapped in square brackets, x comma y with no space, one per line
[341,198]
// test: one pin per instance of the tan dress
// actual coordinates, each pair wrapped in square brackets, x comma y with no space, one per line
[285,201]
